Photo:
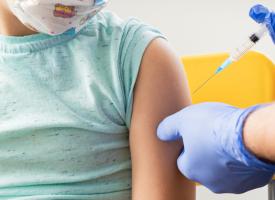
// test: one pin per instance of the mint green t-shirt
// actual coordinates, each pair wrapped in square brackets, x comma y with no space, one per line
[65,111]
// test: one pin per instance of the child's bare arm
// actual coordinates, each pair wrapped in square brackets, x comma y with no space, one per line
[161,90]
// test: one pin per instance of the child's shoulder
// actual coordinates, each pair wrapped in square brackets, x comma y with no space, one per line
[107,23]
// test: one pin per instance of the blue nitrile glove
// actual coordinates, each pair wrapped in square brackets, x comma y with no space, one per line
[214,154]
[261,14]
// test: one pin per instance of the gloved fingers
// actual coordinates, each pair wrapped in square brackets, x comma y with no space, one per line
[185,167]
[168,128]
[259,13]
[270,23]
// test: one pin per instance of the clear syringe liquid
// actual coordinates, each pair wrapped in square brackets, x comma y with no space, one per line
[238,53]
[242,50]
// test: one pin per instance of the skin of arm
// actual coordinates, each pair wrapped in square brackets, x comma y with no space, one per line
[259,133]
[161,90]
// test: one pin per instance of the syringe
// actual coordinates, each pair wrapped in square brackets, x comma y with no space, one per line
[238,53]
[242,50]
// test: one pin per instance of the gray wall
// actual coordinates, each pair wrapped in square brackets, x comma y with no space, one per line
[198,26]
[201,27]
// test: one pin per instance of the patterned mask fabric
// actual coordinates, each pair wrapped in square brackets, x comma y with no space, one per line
[55,17]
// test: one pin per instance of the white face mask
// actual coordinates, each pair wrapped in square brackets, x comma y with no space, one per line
[55,17]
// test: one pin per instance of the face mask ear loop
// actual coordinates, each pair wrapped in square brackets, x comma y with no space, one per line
[100,2]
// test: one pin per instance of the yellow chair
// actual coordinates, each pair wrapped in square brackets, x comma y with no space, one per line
[247,82]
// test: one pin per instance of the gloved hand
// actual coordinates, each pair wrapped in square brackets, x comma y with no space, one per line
[261,14]
[214,154]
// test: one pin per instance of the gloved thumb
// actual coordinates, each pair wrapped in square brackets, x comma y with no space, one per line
[258,13]
[168,129]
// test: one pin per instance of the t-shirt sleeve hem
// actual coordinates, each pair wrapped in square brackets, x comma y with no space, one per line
[139,52]
[136,37]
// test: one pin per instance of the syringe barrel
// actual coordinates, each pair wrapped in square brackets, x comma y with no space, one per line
[262,31]
[242,50]
[239,52]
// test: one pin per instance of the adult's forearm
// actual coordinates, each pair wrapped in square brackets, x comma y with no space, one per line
[259,133]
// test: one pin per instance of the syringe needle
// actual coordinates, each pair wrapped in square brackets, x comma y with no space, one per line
[204,83]
[238,53]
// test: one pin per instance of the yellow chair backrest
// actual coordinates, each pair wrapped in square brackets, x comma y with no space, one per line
[247,82]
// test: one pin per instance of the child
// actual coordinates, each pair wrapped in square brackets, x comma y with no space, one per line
[80,103]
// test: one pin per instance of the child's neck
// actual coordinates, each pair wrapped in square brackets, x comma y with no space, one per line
[11,26]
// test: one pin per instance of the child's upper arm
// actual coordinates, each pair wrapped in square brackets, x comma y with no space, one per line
[161,89]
